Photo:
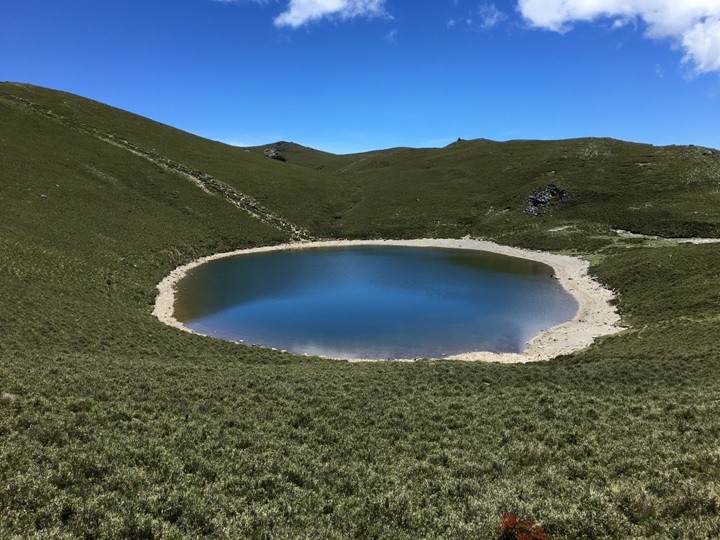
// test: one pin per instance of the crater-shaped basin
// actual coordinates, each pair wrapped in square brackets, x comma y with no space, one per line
[374,302]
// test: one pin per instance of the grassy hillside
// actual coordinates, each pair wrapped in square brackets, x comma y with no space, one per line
[480,187]
[273,184]
[114,425]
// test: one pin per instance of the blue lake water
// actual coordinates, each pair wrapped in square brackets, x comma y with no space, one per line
[374,301]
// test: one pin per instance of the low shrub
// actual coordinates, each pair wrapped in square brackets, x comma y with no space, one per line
[511,528]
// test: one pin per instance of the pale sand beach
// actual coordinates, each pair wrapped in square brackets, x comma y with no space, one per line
[595,316]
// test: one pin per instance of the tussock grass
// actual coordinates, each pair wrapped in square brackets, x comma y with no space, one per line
[116,426]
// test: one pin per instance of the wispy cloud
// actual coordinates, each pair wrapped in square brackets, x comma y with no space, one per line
[242,1]
[489,16]
[691,25]
[301,12]
[484,17]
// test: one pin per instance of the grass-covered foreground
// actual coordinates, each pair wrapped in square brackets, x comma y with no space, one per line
[113,425]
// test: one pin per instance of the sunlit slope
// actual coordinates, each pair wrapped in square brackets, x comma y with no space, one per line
[114,425]
[80,218]
[476,187]
[303,196]
[304,156]
[481,187]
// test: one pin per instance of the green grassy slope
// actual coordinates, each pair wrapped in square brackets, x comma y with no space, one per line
[275,185]
[482,187]
[114,425]
[81,217]
[309,158]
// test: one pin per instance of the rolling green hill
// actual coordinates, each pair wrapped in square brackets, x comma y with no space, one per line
[481,188]
[114,425]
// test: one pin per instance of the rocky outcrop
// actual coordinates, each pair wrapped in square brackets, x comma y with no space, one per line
[543,200]
[274,153]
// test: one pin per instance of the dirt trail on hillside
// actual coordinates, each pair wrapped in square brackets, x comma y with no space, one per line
[697,241]
[204,181]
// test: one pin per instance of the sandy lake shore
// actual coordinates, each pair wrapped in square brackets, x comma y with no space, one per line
[595,316]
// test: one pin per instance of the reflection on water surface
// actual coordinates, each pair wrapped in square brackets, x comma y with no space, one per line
[374,301]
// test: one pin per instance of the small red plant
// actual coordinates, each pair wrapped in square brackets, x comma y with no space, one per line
[511,528]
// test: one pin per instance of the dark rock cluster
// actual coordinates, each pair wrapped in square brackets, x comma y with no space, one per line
[543,200]
[274,153]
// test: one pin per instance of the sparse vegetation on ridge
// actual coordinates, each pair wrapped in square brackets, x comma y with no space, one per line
[114,425]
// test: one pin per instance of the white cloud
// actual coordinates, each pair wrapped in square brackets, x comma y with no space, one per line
[692,25]
[300,12]
[702,45]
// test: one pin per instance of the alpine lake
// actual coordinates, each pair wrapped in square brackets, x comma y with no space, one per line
[374,302]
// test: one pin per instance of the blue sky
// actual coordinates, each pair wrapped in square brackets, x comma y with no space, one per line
[353,75]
